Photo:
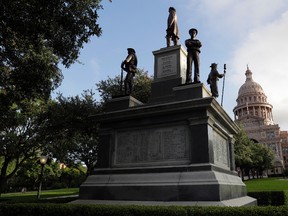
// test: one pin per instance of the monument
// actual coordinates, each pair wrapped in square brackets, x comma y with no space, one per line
[175,150]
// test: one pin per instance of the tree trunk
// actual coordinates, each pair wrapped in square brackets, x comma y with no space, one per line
[3,177]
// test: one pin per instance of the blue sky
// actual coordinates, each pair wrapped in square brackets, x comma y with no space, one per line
[234,32]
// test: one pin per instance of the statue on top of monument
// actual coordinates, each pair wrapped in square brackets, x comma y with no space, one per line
[172,27]
[213,78]
[130,66]
[193,48]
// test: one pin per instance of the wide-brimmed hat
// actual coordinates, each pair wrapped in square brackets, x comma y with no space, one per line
[172,8]
[131,49]
[213,65]
[193,29]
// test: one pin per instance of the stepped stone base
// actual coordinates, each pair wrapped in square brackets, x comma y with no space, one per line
[242,201]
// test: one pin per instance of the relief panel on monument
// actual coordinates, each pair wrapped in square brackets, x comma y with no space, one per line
[152,145]
[220,147]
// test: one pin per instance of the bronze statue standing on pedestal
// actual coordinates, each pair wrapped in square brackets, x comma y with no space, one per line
[213,78]
[193,48]
[130,66]
[172,27]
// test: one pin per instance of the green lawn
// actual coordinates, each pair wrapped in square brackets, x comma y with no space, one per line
[31,195]
[267,184]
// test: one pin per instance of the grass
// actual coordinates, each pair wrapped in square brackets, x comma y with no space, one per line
[267,184]
[32,195]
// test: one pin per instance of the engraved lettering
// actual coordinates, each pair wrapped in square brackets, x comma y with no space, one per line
[152,145]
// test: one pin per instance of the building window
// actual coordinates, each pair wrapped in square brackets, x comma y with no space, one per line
[270,134]
[285,150]
[272,146]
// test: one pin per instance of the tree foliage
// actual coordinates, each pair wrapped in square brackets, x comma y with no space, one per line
[35,37]
[141,87]
[72,133]
[251,157]
[54,176]
[19,138]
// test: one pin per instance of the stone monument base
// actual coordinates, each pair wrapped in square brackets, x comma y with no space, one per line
[169,153]
[242,201]
[122,102]
[204,185]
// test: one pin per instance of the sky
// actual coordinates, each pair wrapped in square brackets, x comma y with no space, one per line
[233,32]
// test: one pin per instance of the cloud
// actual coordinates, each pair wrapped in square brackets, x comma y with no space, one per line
[94,66]
[230,16]
[266,51]
[252,32]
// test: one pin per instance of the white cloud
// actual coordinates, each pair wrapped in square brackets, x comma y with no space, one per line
[95,67]
[252,32]
[266,52]
[234,16]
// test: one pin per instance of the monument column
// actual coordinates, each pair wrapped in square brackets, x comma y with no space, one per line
[169,71]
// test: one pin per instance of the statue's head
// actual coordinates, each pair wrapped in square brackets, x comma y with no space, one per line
[131,50]
[192,31]
[172,9]
[213,65]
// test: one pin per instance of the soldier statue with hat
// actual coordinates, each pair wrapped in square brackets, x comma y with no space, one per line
[193,48]
[213,78]
[130,66]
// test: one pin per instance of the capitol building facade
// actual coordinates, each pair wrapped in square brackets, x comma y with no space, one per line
[254,113]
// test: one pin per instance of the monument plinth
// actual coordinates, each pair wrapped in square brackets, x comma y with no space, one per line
[176,149]
[169,72]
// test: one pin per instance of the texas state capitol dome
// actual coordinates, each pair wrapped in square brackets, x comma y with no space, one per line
[252,102]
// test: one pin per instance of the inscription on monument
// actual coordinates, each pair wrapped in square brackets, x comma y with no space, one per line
[220,147]
[166,66]
[152,145]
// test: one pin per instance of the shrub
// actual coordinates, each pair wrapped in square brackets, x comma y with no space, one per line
[265,198]
[35,209]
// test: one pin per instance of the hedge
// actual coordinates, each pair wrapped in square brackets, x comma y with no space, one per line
[36,209]
[265,198]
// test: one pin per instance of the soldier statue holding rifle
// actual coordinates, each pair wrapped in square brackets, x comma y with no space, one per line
[130,66]
[213,78]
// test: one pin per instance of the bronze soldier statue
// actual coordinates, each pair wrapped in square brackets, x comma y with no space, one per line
[130,66]
[213,78]
[193,48]
[172,27]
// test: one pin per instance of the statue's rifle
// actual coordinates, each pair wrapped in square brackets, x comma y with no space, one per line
[223,84]
[121,80]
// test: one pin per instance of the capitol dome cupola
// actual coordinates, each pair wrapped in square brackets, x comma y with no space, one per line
[252,102]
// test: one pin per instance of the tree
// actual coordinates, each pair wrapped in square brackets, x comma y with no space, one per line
[54,176]
[72,133]
[250,156]
[19,137]
[35,37]
[262,158]
[111,87]
[243,151]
